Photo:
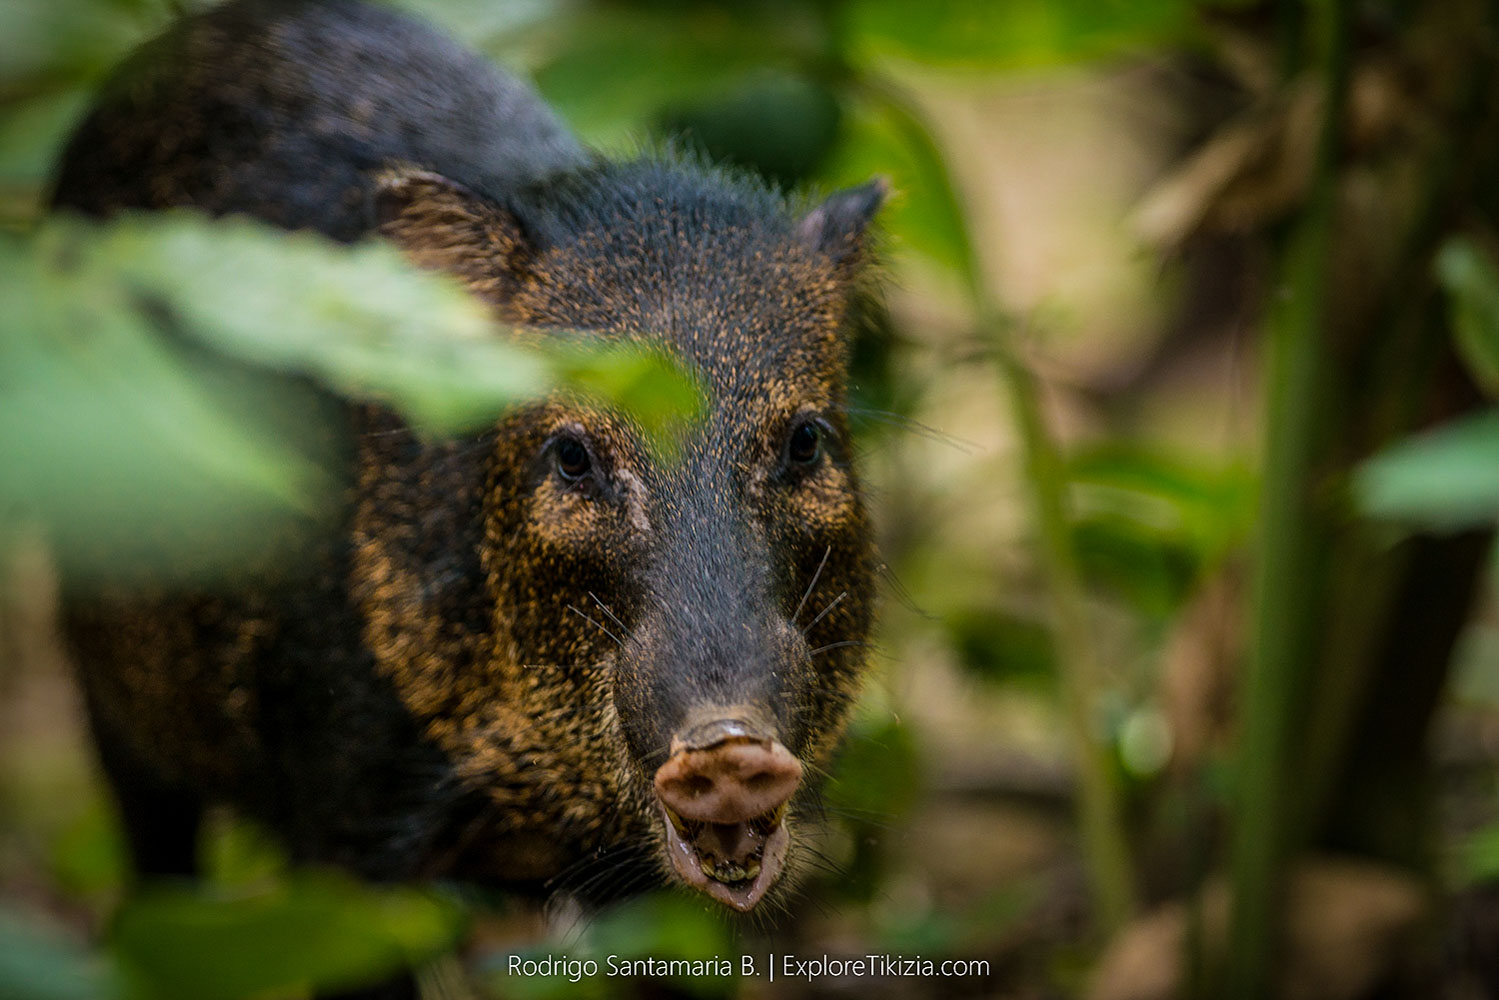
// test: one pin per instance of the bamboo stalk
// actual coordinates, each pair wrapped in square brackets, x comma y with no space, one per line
[1100,812]
[1290,550]
[1105,843]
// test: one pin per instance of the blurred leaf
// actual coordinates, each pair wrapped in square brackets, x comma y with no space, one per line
[781,125]
[1445,479]
[658,394]
[316,932]
[485,24]
[38,965]
[65,42]
[884,136]
[1472,282]
[31,136]
[612,70]
[1002,647]
[1152,570]
[1150,523]
[236,853]
[88,858]
[1205,507]
[158,409]
[360,318]
[1478,860]
[982,34]
[877,774]
[117,440]
[661,925]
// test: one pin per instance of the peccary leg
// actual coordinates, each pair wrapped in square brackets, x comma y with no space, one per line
[401,988]
[161,823]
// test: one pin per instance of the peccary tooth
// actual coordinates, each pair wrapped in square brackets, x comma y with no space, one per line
[676,821]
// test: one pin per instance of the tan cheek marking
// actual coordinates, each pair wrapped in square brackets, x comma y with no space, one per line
[826,500]
[563,517]
[634,491]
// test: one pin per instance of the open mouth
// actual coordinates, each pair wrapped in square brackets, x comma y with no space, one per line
[734,863]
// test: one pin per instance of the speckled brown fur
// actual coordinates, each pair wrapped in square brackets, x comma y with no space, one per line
[479,675]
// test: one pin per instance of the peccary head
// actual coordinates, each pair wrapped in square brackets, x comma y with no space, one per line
[668,649]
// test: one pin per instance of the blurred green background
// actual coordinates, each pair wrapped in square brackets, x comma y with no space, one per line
[1176,433]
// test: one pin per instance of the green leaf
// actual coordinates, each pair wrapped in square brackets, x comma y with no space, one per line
[365,323]
[37,964]
[1445,480]
[658,394]
[781,125]
[359,319]
[88,858]
[31,138]
[982,34]
[236,853]
[612,71]
[1202,510]
[129,448]
[878,774]
[1472,281]
[161,413]
[882,135]
[1000,646]
[317,932]
[66,41]
[1478,860]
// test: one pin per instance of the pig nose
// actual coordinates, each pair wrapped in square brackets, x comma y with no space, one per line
[731,776]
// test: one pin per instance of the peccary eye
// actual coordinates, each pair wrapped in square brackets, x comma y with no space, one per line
[572,458]
[805,446]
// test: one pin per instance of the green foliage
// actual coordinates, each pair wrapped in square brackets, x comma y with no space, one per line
[878,775]
[1472,281]
[166,361]
[313,931]
[782,124]
[1478,860]
[1003,647]
[1444,480]
[885,136]
[1448,479]
[612,70]
[236,854]
[88,857]
[978,34]
[105,397]
[1150,524]
[37,963]
[42,44]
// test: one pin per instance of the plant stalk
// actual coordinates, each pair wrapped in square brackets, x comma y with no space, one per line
[1105,842]
[1291,548]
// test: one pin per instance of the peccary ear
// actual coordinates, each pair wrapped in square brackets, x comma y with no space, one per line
[444,226]
[837,226]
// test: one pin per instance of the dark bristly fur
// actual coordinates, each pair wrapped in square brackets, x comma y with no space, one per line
[479,676]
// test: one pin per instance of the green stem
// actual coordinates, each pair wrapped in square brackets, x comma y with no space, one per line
[1100,811]
[1290,550]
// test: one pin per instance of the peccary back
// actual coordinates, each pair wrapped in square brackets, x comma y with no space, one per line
[539,656]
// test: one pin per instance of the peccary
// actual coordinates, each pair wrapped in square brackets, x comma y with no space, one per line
[535,657]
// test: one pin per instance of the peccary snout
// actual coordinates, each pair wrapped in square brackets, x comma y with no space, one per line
[734,779]
[724,791]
